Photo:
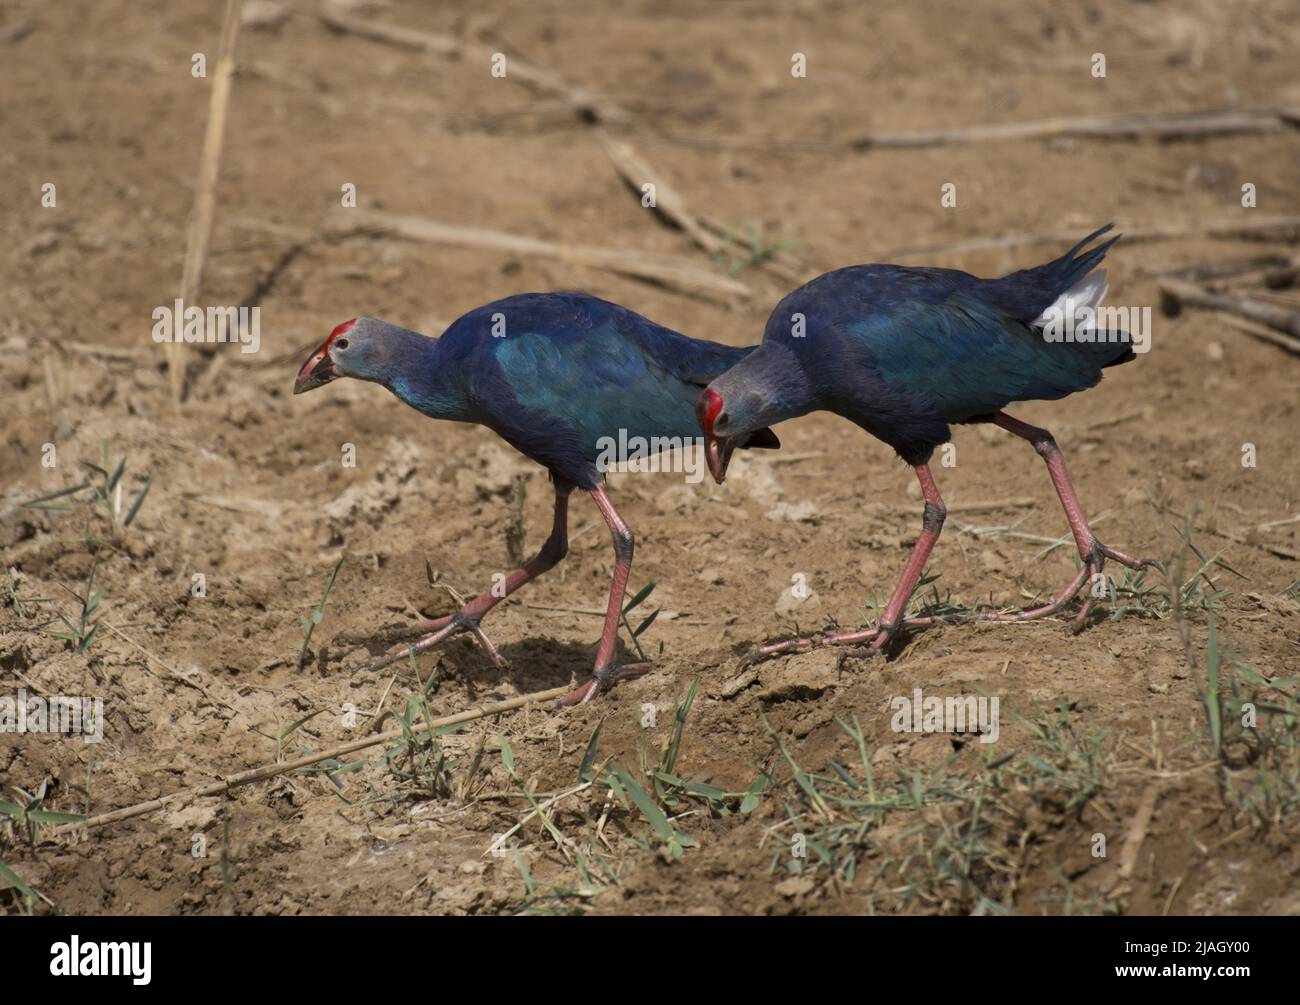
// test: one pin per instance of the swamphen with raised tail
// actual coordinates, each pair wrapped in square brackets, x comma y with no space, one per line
[904,352]
[560,377]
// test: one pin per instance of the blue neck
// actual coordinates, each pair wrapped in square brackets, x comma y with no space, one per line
[417,369]
[768,386]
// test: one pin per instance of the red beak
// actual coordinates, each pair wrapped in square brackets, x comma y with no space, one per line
[717,451]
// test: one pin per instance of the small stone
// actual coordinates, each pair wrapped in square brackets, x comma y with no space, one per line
[803,603]
[804,512]
[795,886]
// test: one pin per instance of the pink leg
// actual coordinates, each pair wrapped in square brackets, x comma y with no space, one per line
[931,525]
[1092,552]
[606,670]
[468,617]
[892,617]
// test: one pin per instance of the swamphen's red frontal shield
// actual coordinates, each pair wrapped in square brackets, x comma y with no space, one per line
[717,452]
[904,353]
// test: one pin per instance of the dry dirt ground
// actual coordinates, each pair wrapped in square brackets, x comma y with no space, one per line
[1110,787]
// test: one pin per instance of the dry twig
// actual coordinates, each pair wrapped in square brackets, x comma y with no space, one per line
[205,201]
[664,269]
[1177,293]
[264,772]
[1158,125]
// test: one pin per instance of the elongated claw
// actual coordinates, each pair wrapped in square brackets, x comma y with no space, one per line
[854,652]
[603,680]
[468,617]
[805,643]
[451,625]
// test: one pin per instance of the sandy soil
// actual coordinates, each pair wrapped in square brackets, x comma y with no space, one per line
[248,489]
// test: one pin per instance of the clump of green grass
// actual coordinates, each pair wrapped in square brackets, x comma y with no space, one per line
[81,634]
[655,796]
[940,841]
[282,733]
[1183,592]
[661,793]
[30,816]
[564,899]
[1066,767]
[1093,904]
[27,818]
[594,868]
[635,633]
[674,790]
[21,889]
[101,492]
[1253,730]
[1252,722]
[1131,592]
[540,812]
[932,606]
[649,793]
[332,768]
[417,759]
[317,614]
[21,604]
[749,250]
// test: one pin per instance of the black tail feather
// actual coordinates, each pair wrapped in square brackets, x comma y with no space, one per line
[1072,266]
[1123,348]
[1063,272]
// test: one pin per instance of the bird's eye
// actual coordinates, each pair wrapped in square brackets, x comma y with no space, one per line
[721,420]
[341,343]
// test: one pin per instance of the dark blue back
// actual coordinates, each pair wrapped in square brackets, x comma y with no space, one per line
[906,351]
[570,369]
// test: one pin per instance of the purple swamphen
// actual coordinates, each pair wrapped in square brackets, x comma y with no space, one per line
[560,377]
[904,352]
